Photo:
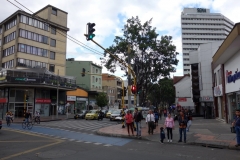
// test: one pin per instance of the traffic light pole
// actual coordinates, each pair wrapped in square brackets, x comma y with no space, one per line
[122,62]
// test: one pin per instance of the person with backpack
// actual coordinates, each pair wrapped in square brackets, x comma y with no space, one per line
[156,116]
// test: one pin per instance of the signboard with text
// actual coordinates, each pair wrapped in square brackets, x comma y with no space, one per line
[24,80]
[41,100]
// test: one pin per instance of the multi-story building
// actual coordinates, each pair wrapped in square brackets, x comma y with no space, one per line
[31,45]
[34,40]
[200,26]
[112,85]
[91,81]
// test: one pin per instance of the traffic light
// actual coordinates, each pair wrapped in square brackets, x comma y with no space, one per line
[27,97]
[134,89]
[121,92]
[90,34]
[83,72]
[125,91]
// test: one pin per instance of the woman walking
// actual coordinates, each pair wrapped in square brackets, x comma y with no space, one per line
[169,124]
[129,122]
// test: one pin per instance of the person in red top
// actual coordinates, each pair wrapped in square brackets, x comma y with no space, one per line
[129,121]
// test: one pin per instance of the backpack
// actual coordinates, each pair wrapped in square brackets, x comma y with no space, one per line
[156,115]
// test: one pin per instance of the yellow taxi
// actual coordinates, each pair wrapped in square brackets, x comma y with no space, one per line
[92,114]
[108,115]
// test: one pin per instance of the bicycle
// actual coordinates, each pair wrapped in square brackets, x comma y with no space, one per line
[36,120]
[29,125]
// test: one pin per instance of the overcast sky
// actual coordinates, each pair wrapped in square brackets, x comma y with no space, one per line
[110,16]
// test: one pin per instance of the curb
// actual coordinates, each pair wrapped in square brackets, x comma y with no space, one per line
[188,143]
[4,122]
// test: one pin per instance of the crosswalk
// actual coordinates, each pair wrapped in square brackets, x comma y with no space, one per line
[80,125]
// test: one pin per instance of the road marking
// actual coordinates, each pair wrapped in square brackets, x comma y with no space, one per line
[71,139]
[21,141]
[97,143]
[34,149]
[78,141]
[107,145]
[87,142]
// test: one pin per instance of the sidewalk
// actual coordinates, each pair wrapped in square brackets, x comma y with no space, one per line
[204,132]
[45,119]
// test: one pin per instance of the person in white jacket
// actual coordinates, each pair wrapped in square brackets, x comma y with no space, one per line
[150,121]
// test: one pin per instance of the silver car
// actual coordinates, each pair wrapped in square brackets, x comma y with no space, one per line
[115,113]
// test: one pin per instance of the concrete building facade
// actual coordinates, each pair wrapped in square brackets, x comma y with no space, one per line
[34,40]
[200,26]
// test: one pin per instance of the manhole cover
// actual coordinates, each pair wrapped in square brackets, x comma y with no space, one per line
[56,153]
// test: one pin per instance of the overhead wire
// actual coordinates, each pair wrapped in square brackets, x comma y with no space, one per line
[61,33]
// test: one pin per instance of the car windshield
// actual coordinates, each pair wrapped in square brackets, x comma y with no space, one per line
[92,111]
[116,112]
[110,111]
[83,111]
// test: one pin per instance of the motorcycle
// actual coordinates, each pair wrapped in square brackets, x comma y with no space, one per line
[100,116]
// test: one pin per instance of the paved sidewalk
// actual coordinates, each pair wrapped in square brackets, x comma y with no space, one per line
[204,132]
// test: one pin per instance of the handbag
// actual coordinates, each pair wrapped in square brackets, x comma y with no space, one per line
[233,130]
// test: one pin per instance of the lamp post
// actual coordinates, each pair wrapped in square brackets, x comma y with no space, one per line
[57,93]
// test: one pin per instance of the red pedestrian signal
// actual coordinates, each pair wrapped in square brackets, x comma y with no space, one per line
[134,89]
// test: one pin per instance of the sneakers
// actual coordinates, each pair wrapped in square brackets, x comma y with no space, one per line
[167,140]
[170,140]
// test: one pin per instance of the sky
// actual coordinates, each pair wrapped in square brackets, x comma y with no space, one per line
[111,15]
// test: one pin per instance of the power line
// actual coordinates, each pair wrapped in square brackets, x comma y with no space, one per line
[63,34]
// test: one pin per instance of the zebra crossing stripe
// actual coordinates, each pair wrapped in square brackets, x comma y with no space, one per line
[107,145]
[87,142]
[71,139]
[97,143]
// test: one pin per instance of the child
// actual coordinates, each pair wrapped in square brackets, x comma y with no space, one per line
[162,135]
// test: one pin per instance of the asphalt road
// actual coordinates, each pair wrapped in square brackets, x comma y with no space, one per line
[19,145]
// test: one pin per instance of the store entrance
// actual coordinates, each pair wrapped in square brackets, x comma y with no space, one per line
[19,112]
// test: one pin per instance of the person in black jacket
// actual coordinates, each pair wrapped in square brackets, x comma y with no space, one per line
[27,116]
[137,118]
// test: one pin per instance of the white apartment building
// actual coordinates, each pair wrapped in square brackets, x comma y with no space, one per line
[200,26]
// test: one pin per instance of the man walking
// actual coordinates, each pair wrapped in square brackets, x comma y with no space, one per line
[150,122]
[236,124]
[137,118]
[182,119]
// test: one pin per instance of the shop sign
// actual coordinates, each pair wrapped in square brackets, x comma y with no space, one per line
[71,98]
[182,99]
[81,99]
[3,100]
[24,79]
[207,98]
[230,77]
[218,90]
[41,100]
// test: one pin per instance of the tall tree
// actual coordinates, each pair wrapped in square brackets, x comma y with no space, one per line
[102,99]
[151,56]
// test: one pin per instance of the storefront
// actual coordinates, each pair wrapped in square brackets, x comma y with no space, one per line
[70,106]
[31,90]
[77,100]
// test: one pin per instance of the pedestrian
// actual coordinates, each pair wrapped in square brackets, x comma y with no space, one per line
[156,116]
[189,120]
[27,116]
[182,120]
[150,122]
[169,124]
[162,135]
[137,118]
[160,114]
[129,121]
[236,124]
[165,112]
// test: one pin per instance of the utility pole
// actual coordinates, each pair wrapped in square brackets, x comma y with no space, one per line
[57,93]
[129,78]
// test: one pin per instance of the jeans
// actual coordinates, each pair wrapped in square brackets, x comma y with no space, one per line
[189,124]
[169,131]
[26,120]
[237,129]
[184,132]
[138,128]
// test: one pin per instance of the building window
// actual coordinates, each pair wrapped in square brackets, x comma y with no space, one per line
[53,43]
[52,55]
[96,79]
[52,68]
[32,50]
[53,30]
[54,11]
[33,36]
[1,30]
[11,24]
[33,22]
[30,64]
[96,70]
[99,81]
[8,64]
[9,37]
[93,79]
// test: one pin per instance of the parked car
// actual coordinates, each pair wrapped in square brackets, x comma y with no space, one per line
[92,114]
[81,115]
[114,114]
[0,124]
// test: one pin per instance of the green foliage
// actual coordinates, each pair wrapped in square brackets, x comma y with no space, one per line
[151,56]
[102,99]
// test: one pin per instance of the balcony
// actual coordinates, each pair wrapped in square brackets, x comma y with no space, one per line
[35,77]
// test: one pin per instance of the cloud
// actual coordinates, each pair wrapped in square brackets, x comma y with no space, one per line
[110,17]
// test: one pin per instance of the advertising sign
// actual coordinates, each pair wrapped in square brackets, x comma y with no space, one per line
[218,91]
[41,100]
[71,98]
[23,80]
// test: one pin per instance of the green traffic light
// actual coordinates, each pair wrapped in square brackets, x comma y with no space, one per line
[91,36]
